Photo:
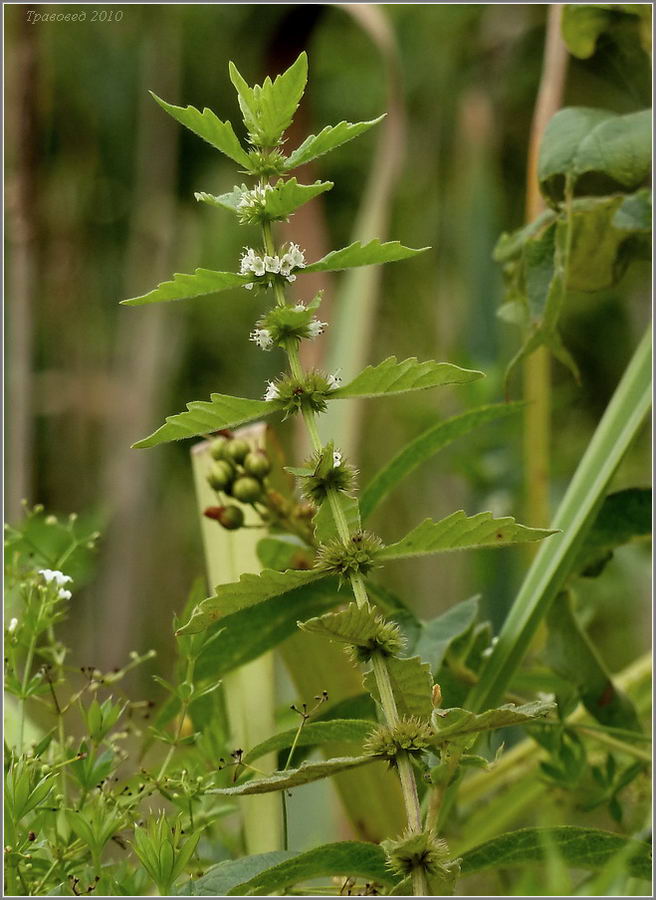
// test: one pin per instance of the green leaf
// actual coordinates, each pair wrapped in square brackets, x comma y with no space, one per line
[436,636]
[634,213]
[284,551]
[581,140]
[581,26]
[412,685]
[325,528]
[346,858]
[247,634]
[203,281]
[423,447]
[204,417]
[393,377]
[281,201]
[623,517]
[313,734]
[357,254]
[459,532]
[571,654]
[248,591]
[230,873]
[581,848]
[269,108]
[553,563]
[209,127]
[456,724]
[358,625]
[331,137]
[307,772]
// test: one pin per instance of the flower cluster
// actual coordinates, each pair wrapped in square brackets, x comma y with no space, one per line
[409,735]
[325,471]
[54,576]
[420,851]
[309,392]
[293,258]
[252,205]
[357,557]
[287,323]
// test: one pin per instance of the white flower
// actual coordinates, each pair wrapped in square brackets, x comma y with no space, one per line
[249,286]
[334,381]
[315,328]
[251,262]
[272,264]
[296,256]
[271,392]
[258,267]
[254,198]
[50,575]
[286,264]
[63,594]
[337,459]
[291,278]
[300,307]
[13,625]
[262,337]
[488,650]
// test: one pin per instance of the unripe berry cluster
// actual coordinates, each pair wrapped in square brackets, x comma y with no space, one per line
[238,471]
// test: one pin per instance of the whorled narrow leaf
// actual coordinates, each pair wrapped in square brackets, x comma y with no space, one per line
[268,109]
[209,127]
[331,137]
[581,848]
[182,287]
[455,724]
[394,377]
[313,734]
[248,591]
[284,198]
[423,447]
[358,254]
[204,417]
[307,772]
[412,685]
[460,532]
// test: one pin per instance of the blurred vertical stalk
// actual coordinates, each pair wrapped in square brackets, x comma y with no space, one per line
[537,367]
[249,691]
[22,227]
[145,353]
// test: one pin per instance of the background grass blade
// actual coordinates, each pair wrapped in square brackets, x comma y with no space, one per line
[620,423]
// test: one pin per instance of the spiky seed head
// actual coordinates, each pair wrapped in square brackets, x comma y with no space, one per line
[357,557]
[410,735]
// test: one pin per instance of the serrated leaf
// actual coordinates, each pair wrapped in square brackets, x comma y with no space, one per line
[248,591]
[412,685]
[183,287]
[580,140]
[353,625]
[312,734]
[227,201]
[331,137]
[209,127]
[623,517]
[454,724]
[325,528]
[204,417]
[358,254]
[581,848]
[269,108]
[459,532]
[393,377]
[344,859]
[307,772]
[423,447]
[281,201]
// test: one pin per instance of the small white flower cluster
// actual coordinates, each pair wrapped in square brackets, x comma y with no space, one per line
[334,381]
[272,392]
[51,576]
[294,258]
[337,459]
[254,200]
[262,337]
[315,328]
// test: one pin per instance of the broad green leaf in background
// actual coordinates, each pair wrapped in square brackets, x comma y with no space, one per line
[436,636]
[203,281]
[358,625]
[204,417]
[412,685]
[423,447]
[284,198]
[248,591]
[456,724]
[346,858]
[459,532]
[624,516]
[357,254]
[572,655]
[268,109]
[581,140]
[307,772]
[393,377]
[553,563]
[581,848]
[210,128]
[313,734]
[222,878]
[331,137]
[247,634]
[581,25]
[284,551]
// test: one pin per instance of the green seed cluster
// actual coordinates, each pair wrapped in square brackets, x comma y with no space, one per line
[418,851]
[307,393]
[316,486]
[358,557]
[410,735]
[238,471]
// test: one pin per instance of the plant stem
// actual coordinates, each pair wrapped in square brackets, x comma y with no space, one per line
[26,677]
[184,706]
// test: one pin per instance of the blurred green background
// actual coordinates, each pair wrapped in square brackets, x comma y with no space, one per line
[100,207]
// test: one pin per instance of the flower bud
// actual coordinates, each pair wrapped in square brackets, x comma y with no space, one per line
[247,489]
[257,464]
[237,450]
[231,518]
[220,475]
[217,447]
